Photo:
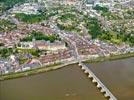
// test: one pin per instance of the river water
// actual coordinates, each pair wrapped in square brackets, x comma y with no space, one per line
[118,76]
[70,83]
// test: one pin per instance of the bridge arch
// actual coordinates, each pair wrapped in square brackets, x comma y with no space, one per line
[103,89]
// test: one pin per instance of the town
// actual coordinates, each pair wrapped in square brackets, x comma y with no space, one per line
[35,34]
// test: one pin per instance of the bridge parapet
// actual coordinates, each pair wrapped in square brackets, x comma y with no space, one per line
[104,89]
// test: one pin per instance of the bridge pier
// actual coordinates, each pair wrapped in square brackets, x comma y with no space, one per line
[79,64]
[94,81]
[106,94]
[99,84]
[83,68]
[102,90]
[86,71]
[89,76]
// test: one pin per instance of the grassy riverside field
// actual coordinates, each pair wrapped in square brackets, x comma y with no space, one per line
[61,65]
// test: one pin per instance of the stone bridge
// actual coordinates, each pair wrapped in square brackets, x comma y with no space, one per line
[99,84]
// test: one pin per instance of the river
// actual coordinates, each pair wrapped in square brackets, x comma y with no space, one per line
[118,76]
[70,83]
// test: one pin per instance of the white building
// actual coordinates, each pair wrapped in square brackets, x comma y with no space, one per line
[57,45]
[43,45]
[26,45]
[27,8]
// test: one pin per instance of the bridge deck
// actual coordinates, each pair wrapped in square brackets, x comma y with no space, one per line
[99,83]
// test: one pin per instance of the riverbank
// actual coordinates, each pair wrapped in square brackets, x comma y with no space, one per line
[35,71]
[61,65]
[109,58]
